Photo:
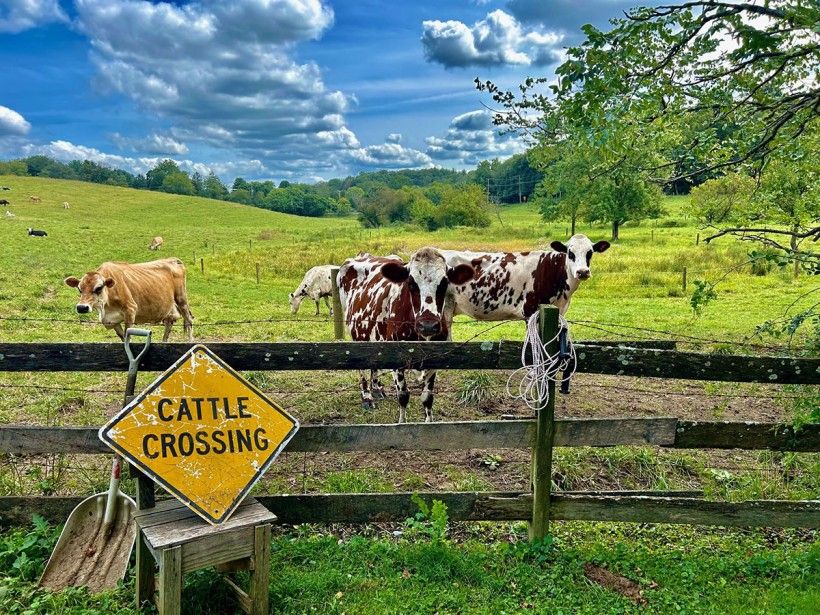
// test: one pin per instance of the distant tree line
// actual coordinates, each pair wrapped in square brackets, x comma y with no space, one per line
[432,198]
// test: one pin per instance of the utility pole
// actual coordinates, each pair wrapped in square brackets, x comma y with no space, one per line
[519,189]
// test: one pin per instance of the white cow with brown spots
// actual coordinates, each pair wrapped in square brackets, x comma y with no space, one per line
[142,293]
[385,299]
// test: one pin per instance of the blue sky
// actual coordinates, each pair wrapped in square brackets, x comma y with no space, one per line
[273,89]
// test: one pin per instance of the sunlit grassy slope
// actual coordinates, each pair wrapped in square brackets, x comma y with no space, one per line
[636,283]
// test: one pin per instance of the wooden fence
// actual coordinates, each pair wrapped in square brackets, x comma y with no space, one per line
[645,507]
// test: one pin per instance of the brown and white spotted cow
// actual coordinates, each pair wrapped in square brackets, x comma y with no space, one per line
[511,285]
[385,299]
[129,294]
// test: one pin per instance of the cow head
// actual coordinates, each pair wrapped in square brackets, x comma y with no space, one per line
[93,289]
[579,251]
[428,278]
[295,301]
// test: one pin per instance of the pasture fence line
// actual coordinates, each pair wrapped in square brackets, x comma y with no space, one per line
[643,340]
[539,435]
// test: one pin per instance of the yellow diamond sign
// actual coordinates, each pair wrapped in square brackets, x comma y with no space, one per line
[203,432]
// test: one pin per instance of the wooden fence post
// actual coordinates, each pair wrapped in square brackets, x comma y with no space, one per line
[250,244]
[338,316]
[684,279]
[544,435]
[697,239]
[257,273]
[202,265]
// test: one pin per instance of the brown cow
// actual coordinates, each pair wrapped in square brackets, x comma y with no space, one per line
[35,199]
[156,243]
[127,294]
[386,300]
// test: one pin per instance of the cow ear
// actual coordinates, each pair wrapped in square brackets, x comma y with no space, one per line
[460,274]
[395,272]
[601,246]
[109,282]
[72,282]
[558,246]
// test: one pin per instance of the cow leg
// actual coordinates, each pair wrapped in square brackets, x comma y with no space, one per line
[376,385]
[367,396]
[329,305]
[316,301]
[403,393]
[181,300]
[119,331]
[167,333]
[427,395]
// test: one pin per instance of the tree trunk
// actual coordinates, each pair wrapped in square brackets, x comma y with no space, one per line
[795,253]
[573,224]
[615,225]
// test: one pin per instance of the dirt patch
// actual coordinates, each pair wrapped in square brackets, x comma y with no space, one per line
[615,582]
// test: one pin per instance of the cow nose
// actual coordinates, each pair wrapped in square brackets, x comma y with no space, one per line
[427,328]
[584,274]
[83,308]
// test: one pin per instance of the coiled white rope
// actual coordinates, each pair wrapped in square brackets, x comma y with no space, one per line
[532,379]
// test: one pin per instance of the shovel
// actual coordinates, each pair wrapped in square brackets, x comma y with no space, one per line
[96,542]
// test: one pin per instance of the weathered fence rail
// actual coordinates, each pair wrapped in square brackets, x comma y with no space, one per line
[280,356]
[484,506]
[520,434]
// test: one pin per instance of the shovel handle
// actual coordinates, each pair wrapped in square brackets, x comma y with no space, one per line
[113,489]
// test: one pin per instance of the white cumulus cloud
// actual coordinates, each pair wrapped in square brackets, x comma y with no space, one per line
[12,123]
[19,15]
[497,40]
[152,144]
[471,138]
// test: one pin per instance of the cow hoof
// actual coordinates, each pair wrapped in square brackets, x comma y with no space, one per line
[564,390]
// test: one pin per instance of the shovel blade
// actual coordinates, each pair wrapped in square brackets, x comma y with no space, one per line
[88,553]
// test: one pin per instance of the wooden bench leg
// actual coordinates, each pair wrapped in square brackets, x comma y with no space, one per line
[170,581]
[145,573]
[260,576]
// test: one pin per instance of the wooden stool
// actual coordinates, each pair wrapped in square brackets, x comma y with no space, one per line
[180,541]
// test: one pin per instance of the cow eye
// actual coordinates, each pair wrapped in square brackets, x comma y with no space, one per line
[571,255]
[98,290]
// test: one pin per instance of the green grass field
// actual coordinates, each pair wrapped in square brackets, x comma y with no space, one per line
[486,568]
[636,283]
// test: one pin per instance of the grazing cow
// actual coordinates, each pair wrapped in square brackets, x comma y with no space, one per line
[511,285]
[9,214]
[386,300]
[127,294]
[4,202]
[66,205]
[5,188]
[156,243]
[316,285]
[35,199]
[33,232]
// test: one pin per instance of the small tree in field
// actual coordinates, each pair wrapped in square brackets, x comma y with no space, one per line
[621,197]
[720,199]
[564,192]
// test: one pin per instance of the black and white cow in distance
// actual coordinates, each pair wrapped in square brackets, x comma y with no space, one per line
[511,285]
[385,299]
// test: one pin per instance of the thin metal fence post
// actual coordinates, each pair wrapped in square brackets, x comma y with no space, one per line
[338,316]
[544,435]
